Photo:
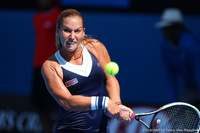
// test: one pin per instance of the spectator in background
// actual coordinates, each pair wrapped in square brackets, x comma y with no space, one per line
[181,52]
[45,26]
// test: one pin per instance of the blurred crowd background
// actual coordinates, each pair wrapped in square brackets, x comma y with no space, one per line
[127,29]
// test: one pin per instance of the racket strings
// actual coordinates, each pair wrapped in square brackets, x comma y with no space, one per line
[176,119]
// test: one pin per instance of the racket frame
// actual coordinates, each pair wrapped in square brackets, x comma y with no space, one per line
[138,115]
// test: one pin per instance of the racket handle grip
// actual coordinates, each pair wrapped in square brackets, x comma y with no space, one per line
[132,116]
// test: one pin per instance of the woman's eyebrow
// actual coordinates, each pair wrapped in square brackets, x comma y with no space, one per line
[71,29]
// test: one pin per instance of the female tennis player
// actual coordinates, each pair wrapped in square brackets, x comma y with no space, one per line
[74,76]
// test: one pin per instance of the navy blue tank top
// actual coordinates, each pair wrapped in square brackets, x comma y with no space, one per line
[85,80]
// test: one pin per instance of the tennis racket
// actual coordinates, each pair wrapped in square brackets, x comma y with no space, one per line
[177,117]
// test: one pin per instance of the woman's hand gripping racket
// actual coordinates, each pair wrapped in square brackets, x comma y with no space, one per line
[173,117]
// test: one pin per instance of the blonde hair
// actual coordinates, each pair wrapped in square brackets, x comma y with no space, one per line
[65,14]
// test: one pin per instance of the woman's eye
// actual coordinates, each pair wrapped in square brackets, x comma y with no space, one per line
[77,31]
[67,30]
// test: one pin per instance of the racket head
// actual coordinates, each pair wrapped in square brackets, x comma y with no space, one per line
[176,117]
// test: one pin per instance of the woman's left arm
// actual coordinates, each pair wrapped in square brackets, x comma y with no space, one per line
[111,83]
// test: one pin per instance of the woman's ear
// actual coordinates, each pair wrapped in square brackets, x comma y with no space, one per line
[83,31]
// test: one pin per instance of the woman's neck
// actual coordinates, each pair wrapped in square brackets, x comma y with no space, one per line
[71,56]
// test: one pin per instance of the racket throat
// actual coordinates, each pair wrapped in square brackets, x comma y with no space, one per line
[142,122]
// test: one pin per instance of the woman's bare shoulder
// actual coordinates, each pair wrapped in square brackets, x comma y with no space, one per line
[51,65]
[93,43]
[52,61]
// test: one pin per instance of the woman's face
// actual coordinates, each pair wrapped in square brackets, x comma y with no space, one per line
[71,33]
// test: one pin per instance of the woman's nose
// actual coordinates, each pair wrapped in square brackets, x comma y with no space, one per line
[72,34]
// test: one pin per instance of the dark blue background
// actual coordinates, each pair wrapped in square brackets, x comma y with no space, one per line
[97,3]
[131,39]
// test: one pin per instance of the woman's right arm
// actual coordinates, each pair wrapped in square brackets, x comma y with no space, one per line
[52,74]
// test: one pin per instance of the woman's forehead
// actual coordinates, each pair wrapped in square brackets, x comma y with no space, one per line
[74,21]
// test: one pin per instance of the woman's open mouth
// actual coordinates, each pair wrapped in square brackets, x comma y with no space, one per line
[70,43]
